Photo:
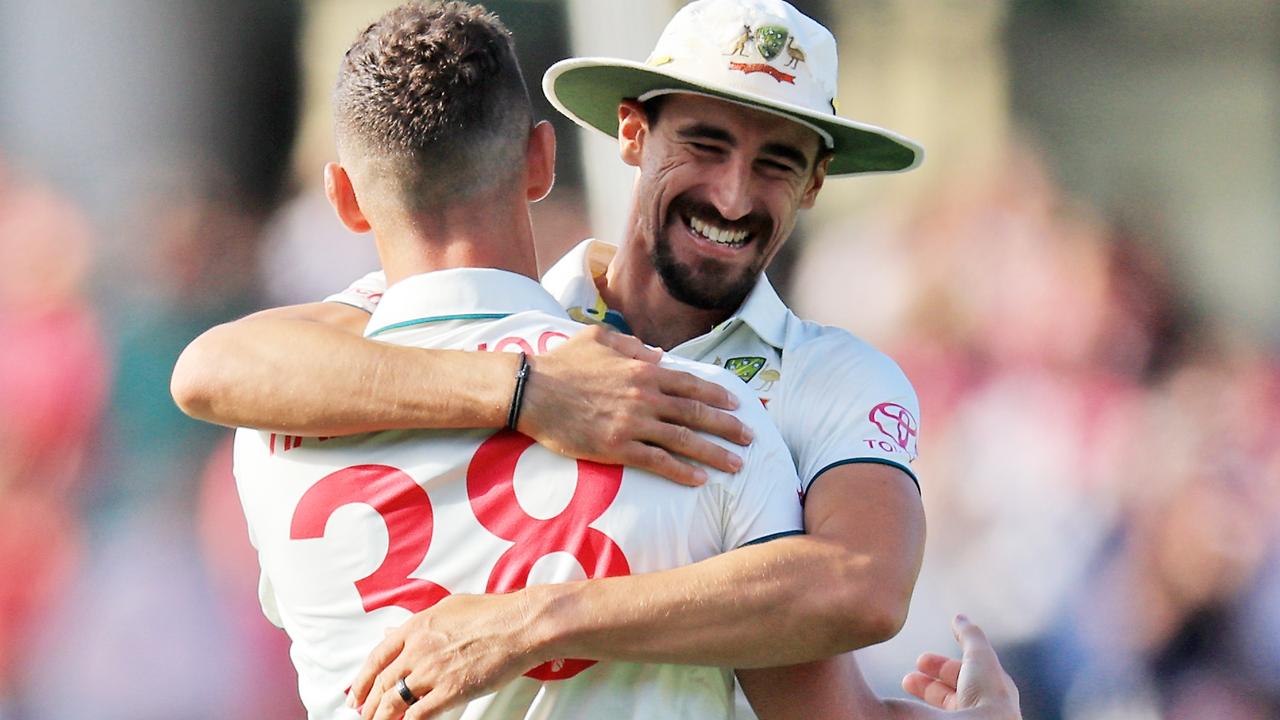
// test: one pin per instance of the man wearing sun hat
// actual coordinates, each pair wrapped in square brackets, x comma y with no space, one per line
[763,55]
[731,124]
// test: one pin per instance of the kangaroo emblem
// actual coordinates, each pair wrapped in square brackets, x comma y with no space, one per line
[740,45]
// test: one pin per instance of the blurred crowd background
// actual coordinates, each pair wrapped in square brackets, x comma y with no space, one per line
[1082,281]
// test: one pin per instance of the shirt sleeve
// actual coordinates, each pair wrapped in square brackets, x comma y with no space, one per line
[846,402]
[762,501]
[363,293]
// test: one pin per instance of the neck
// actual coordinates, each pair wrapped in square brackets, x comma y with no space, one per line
[633,288]
[485,232]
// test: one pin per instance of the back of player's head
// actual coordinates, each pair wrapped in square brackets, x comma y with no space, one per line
[430,106]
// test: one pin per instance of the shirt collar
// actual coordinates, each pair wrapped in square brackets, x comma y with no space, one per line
[572,280]
[765,312]
[458,294]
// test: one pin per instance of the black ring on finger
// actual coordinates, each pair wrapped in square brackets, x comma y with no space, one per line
[405,693]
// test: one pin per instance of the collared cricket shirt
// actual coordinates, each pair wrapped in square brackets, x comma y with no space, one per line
[354,534]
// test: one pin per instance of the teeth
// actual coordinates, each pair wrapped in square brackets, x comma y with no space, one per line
[719,236]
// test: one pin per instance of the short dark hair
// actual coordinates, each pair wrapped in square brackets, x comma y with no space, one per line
[431,98]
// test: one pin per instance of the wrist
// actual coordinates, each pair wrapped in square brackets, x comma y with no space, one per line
[517,393]
[549,611]
[493,388]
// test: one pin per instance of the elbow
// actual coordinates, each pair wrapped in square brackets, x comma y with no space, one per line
[868,609]
[192,383]
[883,620]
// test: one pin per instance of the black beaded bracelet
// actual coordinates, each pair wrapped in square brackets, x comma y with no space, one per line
[517,397]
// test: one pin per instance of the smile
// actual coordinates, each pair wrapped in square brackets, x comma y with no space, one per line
[718,235]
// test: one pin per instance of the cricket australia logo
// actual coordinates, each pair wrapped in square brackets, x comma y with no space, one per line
[768,41]
[744,367]
[899,425]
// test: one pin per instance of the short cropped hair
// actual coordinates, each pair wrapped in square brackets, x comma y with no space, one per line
[430,99]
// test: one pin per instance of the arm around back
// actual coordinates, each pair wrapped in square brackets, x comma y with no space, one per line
[848,414]
[306,370]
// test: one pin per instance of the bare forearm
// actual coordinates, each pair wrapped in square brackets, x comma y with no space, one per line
[829,688]
[313,379]
[758,606]
[843,586]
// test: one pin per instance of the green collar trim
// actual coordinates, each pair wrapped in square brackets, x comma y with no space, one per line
[439,318]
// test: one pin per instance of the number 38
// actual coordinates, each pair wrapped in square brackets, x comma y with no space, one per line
[406,509]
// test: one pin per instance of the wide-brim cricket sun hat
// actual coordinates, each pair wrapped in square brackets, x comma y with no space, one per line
[763,54]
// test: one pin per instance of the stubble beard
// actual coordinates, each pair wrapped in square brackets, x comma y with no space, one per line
[707,286]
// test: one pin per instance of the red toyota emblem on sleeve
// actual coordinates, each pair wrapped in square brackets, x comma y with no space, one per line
[898,424]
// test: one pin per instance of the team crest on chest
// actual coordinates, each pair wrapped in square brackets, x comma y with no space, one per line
[751,368]
[769,42]
[744,367]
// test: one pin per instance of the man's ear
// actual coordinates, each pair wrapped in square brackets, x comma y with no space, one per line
[540,161]
[342,196]
[815,183]
[633,129]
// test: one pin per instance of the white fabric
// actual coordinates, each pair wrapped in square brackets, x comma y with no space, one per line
[363,293]
[822,386]
[826,386]
[828,383]
[319,537]
[835,398]
[699,42]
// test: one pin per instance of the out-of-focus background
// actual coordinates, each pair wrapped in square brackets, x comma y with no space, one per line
[1082,281]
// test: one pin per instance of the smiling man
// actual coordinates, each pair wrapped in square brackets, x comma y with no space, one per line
[731,127]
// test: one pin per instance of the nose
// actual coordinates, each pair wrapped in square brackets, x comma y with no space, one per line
[731,193]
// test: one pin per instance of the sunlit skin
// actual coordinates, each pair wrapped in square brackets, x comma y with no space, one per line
[707,168]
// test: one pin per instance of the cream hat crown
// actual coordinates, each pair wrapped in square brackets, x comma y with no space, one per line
[763,54]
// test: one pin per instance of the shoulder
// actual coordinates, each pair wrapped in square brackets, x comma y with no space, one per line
[814,351]
[844,401]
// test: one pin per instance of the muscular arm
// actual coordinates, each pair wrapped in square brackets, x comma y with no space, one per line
[844,585]
[306,370]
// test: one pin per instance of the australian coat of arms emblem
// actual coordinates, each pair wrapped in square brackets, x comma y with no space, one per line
[769,42]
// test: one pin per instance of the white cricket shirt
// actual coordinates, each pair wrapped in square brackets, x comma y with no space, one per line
[835,398]
[354,534]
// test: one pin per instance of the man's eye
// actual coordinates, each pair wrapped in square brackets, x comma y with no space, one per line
[704,147]
[776,166]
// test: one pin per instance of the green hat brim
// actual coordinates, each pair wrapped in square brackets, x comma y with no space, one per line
[589,90]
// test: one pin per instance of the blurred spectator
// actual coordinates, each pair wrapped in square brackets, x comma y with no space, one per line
[53,382]
[1099,467]
[1100,458]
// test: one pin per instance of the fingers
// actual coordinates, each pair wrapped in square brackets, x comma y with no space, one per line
[697,415]
[982,680]
[973,642]
[938,666]
[662,463]
[930,689]
[682,384]
[391,706]
[431,705]
[680,440]
[383,655]
[383,696]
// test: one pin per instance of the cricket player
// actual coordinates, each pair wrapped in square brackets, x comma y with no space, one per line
[356,533]
[730,143]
